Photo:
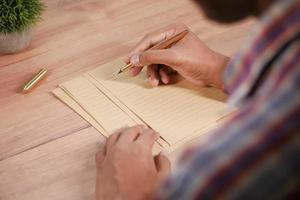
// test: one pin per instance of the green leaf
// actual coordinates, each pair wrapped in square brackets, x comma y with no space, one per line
[19,15]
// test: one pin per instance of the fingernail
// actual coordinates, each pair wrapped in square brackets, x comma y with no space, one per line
[135,59]
[164,80]
[132,71]
[153,81]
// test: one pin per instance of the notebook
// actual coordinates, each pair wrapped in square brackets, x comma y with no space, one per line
[179,112]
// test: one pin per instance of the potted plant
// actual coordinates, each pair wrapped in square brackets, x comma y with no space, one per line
[17,18]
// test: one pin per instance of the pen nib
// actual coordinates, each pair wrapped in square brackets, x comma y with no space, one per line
[115,74]
[118,72]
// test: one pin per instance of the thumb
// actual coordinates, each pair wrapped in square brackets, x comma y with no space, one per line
[163,165]
[164,57]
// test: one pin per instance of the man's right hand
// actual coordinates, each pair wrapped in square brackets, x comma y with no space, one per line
[190,57]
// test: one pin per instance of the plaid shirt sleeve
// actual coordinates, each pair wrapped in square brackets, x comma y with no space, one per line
[255,155]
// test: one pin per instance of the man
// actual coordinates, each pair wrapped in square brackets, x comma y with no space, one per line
[255,155]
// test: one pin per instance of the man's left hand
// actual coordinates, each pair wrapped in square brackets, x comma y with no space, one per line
[126,168]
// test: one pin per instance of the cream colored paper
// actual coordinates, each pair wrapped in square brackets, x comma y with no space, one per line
[69,101]
[97,104]
[179,112]
[123,107]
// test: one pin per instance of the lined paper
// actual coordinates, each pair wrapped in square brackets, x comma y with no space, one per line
[176,111]
[69,101]
[179,112]
[122,106]
[97,104]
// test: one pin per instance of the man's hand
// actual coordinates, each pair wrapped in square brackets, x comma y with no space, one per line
[190,57]
[126,168]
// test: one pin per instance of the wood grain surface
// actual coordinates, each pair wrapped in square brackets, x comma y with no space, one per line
[46,150]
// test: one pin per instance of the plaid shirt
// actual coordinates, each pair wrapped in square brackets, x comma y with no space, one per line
[255,155]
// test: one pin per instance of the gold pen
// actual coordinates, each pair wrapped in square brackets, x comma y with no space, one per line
[35,80]
[162,45]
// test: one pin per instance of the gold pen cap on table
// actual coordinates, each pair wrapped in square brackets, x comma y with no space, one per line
[35,80]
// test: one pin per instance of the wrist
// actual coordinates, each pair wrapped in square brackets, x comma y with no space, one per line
[218,68]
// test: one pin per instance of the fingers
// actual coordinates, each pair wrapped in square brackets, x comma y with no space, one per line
[148,138]
[150,40]
[134,60]
[152,71]
[164,75]
[164,57]
[163,165]
[151,59]
[157,36]
[130,134]
[112,139]
[139,134]
[135,70]
[157,74]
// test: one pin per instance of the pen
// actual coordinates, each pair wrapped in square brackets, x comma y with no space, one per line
[162,45]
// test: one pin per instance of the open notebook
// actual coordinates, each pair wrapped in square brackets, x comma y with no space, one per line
[179,112]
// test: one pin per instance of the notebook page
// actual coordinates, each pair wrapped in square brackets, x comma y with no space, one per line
[176,111]
[69,101]
[94,102]
[123,107]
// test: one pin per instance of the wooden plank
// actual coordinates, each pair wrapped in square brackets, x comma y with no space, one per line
[76,36]
[62,169]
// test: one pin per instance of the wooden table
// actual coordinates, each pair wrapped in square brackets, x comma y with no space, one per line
[46,150]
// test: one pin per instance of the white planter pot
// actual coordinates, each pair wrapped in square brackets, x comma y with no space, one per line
[15,42]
